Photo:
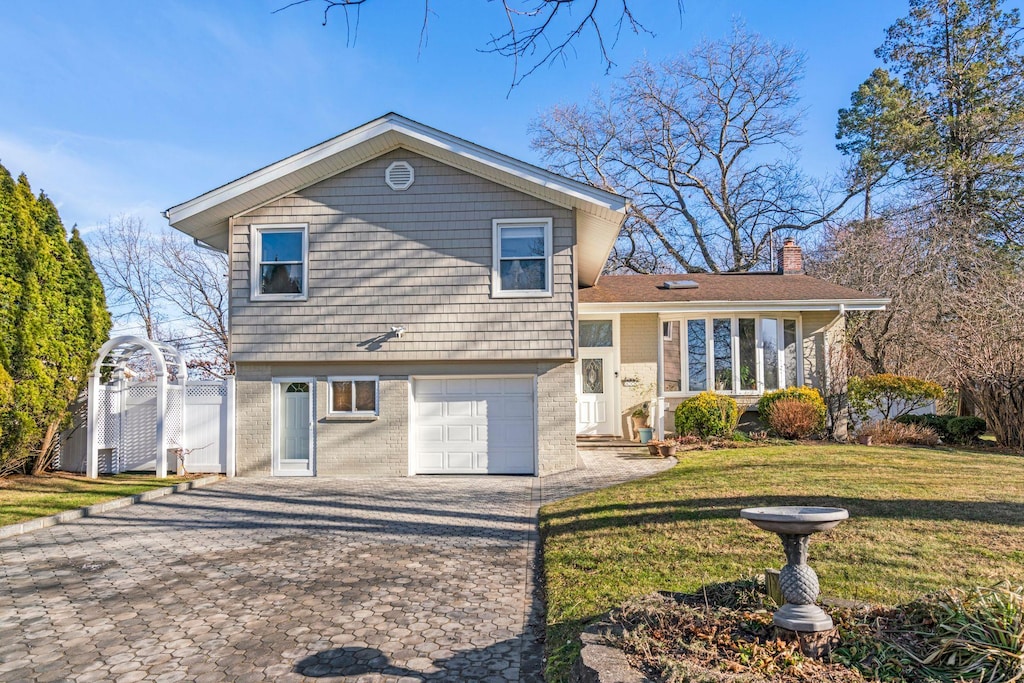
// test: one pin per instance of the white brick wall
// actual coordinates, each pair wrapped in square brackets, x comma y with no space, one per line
[381,447]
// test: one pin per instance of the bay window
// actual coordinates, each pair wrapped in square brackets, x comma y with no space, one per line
[733,355]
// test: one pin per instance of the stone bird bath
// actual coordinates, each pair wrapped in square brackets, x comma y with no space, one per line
[794,525]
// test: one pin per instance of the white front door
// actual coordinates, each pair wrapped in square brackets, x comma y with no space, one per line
[474,425]
[293,420]
[595,382]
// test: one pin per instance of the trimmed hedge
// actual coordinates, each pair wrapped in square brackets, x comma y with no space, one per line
[806,395]
[950,428]
[891,395]
[707,414]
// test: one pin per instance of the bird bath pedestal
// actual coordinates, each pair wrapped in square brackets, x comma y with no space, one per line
[799,583]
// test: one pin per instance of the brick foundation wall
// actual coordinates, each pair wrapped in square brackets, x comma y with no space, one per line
[380,447]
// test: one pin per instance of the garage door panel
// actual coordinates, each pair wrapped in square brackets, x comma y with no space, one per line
[488,385]
[430,435]
[460,434]
[429,387]
[481,425]
[519,387]
[506,408]
[459,408]
[460,460]
[431,460]
[429,408]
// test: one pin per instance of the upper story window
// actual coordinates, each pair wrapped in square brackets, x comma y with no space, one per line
[522,257]
[280,262]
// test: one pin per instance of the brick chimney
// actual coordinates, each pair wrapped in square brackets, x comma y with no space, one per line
[791,258]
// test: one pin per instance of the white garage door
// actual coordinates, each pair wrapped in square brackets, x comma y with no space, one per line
[481,425]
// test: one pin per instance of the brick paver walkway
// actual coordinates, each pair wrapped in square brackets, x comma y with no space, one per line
[406,579]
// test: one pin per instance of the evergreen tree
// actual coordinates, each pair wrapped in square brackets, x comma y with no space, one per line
[952,115]
[49,333]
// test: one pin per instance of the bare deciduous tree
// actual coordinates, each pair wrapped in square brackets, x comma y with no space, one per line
[704,147]
[195,284]
[881,257]
[977,332]
[126,259]
[957,312]
[175,291]
[539,32]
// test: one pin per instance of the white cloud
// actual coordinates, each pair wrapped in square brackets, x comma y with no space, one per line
[91,178]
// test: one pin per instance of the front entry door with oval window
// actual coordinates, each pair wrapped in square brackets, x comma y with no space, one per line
[595,376]
[293,455]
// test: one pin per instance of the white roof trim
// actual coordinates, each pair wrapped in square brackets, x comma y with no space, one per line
[735,306]
[600,214]
[413,129]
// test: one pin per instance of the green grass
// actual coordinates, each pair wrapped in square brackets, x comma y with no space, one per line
[23,497]
[920,520]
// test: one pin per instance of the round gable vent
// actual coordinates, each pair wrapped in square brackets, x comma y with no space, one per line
[399,175]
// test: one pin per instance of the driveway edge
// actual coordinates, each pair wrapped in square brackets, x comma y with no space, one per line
[106,506]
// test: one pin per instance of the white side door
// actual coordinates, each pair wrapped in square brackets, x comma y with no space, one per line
[293,427]
[595,413]
[596,378]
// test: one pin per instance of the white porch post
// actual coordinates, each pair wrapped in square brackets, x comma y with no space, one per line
[659,423]
[230,424]
[161,424]
[92,459]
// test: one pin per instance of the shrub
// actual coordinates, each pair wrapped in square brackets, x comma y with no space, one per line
[707,414]
[805,395]
[891,432]
[792,418]
[965,429]
[891,395]
[936,422]
[950,428]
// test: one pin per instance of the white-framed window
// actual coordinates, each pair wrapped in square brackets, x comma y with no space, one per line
[522,257]
[280,262]
[731,353]
[666,330]
[353,395]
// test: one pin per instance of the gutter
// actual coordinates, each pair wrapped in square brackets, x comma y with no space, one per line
[841,306]
[195,240]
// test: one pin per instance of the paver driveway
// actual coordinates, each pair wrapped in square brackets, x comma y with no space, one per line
[283,579]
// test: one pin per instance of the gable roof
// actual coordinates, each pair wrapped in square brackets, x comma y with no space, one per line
[599,214]
[736,291]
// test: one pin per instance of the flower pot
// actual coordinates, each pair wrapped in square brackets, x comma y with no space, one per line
[646,434]
[864,439]
[652,447]
[639,422]
[667,449]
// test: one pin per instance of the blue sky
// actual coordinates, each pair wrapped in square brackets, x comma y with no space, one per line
[120,106]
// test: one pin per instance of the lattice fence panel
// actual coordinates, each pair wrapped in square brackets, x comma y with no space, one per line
[174,418]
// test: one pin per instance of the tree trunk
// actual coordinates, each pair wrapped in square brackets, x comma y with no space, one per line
[1001,404]
[45,457]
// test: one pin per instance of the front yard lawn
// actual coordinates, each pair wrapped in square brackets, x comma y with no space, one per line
[920,520]
[24,497]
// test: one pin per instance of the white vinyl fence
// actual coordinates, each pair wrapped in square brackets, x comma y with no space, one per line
[127,429]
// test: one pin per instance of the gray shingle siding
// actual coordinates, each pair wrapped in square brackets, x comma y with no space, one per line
[419,258]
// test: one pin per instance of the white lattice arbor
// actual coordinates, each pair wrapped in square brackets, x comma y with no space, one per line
[109,390]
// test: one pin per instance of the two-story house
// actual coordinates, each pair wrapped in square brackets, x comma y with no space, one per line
[406,302]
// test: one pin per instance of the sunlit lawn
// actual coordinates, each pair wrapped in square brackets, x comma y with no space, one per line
[920,520]
[24,497]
